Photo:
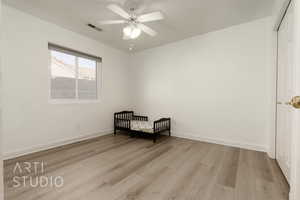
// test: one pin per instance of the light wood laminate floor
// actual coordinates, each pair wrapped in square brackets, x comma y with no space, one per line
[119,168]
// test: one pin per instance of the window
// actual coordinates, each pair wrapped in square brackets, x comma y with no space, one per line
[74,75]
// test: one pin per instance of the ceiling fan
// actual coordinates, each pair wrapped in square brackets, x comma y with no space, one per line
[134,23]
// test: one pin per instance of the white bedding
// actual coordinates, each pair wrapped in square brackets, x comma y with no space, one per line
[144,126]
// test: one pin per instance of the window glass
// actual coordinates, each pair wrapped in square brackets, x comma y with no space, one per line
[63,76]
[87,79]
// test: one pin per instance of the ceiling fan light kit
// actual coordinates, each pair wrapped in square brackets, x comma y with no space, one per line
[135,25]
[131,31]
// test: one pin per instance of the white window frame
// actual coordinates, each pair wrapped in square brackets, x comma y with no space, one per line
[76,100]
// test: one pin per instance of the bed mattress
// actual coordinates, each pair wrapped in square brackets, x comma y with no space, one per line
[144,126]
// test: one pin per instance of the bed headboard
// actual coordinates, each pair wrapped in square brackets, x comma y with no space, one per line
[123,115]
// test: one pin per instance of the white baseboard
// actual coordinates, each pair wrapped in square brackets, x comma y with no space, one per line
[15,154]
[221,142]
[292,196]
[271,154]
[38,148]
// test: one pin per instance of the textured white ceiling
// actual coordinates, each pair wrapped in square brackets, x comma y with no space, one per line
[184,18]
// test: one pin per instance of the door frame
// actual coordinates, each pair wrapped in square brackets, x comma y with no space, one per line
[295,136]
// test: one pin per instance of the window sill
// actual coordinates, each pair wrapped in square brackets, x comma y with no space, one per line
[68,101]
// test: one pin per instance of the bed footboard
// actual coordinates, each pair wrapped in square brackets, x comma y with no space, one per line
[163,124]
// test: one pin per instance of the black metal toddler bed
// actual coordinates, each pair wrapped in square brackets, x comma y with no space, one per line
[127,121]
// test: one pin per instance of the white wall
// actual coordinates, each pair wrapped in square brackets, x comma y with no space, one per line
[30,122]
[217,87]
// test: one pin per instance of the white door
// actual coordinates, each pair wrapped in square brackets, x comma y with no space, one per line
[285,92]
[1,163]
[295,164]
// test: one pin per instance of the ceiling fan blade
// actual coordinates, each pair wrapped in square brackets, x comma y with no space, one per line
[154,16]
[118,10]
[147,30]
[107,22]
